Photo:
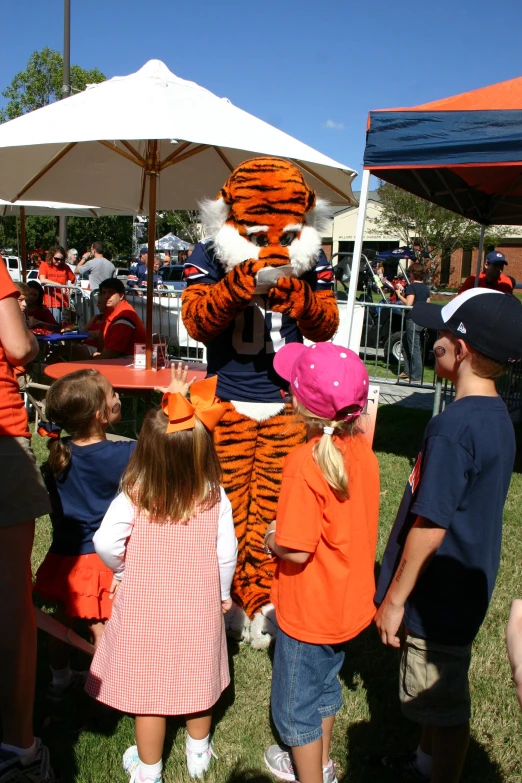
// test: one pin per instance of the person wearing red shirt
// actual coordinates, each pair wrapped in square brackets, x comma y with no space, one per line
[36,313]
[55,272]
[122,327]
[492,276]
[22,498]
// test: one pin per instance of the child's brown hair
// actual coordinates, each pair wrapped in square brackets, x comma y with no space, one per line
[169,474]
[73,403]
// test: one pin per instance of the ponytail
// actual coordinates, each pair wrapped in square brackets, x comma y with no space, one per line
[330,460]
[328,456]
[59,456]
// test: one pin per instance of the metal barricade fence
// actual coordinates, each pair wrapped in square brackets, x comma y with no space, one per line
[383,343]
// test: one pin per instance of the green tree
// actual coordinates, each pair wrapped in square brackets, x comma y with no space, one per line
[114,231]
[435,229]
[41,83]
[184,223]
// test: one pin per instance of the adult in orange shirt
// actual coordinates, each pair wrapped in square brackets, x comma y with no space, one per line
[492,276]
[22,498]
[122,327]
[325,537]
[55,272]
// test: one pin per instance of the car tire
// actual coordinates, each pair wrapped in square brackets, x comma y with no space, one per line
[393,347]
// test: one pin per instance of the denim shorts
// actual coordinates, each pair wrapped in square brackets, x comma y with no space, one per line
[305,688]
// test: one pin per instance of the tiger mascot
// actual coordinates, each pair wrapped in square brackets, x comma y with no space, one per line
[265,216]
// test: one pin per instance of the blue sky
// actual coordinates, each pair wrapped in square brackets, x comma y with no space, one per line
[313,69]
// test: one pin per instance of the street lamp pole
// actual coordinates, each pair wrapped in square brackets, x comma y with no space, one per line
[66,92]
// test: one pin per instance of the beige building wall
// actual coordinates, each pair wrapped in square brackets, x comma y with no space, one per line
[345,223]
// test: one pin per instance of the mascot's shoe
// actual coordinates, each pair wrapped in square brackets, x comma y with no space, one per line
[237,624]
[280,763]
[263,629]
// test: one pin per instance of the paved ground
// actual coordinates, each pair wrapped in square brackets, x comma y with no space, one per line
[405,395]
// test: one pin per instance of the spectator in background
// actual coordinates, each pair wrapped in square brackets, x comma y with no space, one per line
[138,270]
[72,258]
[122,327]
[55,272]
[22,498]
[167,259]
[492,276]
[98,267]
[37,314]
[189,250]
[415,292]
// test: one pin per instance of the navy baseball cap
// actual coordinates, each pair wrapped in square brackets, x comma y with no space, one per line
[495,257]
[143,250]
[489,321]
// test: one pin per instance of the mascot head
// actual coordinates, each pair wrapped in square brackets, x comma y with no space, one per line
[266,210]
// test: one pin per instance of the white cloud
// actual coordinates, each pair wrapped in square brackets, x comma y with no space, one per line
[334,125]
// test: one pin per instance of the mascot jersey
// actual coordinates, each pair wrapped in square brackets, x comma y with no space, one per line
[265,217]
[242,355]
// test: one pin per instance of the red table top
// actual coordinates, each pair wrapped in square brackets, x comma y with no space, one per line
[121,375]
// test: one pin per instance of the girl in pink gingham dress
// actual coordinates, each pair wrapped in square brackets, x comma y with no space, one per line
[169,539]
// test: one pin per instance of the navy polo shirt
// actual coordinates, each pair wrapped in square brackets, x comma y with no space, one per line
[459,482]
[81,496]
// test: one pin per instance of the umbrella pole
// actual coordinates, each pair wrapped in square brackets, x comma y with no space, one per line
[23,245]
[152,173]
[480,249]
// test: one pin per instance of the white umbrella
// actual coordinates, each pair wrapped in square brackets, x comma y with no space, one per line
[54,209]
[171,242]
[178,147]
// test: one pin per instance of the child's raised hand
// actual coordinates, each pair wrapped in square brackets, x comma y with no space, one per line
[178,380]
[226,605]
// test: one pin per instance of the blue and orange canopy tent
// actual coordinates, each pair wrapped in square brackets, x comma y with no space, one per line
[463,153]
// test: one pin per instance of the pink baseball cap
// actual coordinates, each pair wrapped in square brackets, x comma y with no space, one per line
[325,378]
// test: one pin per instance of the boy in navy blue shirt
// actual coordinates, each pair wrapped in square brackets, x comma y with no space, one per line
[443,554]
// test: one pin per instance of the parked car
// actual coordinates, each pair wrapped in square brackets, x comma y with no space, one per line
[122,274]
[14,267]
[173,278]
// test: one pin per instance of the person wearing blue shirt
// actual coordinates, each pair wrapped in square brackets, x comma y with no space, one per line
[138,271]
[443,554]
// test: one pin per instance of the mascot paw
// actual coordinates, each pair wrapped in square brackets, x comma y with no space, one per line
[290,296]
[241,280]
[263,629]
[237,624]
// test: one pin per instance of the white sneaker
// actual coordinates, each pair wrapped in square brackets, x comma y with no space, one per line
[76,682]
[198,763]
[131,764]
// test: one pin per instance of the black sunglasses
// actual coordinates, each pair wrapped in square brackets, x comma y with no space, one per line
[57,258]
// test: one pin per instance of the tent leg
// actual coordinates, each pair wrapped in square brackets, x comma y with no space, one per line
[480,251]
[356,261]
[152,173]
[23,245]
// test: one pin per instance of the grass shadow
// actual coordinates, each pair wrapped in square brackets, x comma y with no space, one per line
[399,430]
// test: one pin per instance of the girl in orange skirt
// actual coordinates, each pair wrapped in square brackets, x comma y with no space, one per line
[82,476]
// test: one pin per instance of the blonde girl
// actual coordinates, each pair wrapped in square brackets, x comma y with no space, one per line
[325,538]
[169,539]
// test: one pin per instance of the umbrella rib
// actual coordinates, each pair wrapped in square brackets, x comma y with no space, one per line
[224,158]
[142,194]
[126,155]
[422,183]
[175,154]
[451,192]
[195,151]
[322,179]
[48,167]
[135,152]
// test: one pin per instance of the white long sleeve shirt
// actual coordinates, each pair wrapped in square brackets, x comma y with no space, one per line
[110,540]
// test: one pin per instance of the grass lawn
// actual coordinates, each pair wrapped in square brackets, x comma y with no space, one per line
[87,743]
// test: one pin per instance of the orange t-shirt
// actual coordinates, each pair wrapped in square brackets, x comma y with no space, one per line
[122,329]
[328,599]
[504,284]
[56,274]
[13,417]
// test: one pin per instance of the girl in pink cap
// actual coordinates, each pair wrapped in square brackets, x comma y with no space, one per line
[324,536]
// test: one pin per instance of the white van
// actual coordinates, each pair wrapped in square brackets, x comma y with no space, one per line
[14,267]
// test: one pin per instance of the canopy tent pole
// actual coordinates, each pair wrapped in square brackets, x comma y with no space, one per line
[23,245]
[356,260]
[151,173]
[480,249]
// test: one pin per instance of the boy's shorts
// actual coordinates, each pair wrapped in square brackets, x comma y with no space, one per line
[305,688]
[23,495]
[434,685]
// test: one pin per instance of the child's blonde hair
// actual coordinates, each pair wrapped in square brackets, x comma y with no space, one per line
[73,403]
[169,474]
[327,454]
